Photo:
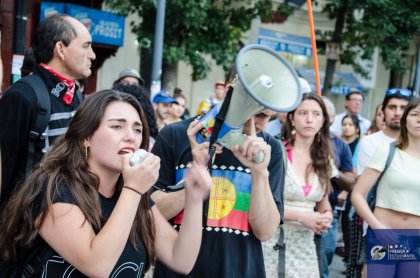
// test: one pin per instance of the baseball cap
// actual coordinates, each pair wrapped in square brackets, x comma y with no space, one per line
[130,73]
[164,96]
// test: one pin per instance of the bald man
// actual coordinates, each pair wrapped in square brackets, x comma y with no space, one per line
[63,49]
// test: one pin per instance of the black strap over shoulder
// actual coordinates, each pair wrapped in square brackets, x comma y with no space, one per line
[42,116]
[80,96]
[43,104]
[371,197]
[220,119]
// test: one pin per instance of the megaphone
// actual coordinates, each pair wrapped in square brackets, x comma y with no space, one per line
[264,80]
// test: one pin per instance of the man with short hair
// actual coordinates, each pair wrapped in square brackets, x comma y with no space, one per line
[130,77]
[393,107]
[162,103]
[353,105]
[63,48]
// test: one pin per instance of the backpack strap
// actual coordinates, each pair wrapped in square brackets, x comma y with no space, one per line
[80,96]
[42,116]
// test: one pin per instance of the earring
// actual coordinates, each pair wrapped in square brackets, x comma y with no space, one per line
[293,131]
[86,153]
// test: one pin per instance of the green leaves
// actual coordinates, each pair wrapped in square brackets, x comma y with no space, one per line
[387,24]
[195,29]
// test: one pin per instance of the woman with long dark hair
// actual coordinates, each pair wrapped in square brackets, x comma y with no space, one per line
[351,131]
[307,185]
[397,196]
[92,207]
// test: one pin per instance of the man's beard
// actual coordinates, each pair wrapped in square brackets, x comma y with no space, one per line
[395,126]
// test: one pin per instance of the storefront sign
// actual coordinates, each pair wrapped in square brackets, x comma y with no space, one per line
[104,27]
[285,42]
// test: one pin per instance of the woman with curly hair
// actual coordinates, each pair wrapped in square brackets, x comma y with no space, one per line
[307,185]
[89,206]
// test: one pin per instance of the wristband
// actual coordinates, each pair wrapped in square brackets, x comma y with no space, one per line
[132,189]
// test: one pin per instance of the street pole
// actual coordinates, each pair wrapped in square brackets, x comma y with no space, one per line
[417,78]
[313,42]
[158,48]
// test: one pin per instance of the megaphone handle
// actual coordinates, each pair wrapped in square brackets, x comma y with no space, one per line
[237,137]
[259,158]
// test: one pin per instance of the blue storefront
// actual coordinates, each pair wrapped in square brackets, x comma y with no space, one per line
[106,28]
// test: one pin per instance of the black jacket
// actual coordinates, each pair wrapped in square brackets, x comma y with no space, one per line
[17,113]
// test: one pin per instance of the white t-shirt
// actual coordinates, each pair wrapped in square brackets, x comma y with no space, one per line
[336,126]
[368,146]
[399,186]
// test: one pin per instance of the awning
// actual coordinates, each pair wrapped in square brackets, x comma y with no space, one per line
[285,42]
[343,83]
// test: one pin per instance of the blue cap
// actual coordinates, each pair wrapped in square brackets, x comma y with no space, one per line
[164,97]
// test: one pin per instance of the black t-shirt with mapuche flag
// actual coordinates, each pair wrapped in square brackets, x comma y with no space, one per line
[131,263]
[229,247]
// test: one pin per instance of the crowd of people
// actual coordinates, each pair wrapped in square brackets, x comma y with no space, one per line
[72,202]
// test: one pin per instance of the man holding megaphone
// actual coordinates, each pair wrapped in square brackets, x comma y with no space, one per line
[246,200]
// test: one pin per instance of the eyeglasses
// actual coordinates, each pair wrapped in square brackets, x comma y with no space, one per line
[402,92]
[356,100]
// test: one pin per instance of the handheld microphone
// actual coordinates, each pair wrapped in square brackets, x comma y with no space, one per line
[138,156]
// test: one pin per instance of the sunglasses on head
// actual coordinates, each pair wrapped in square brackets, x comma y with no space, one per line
[402,92]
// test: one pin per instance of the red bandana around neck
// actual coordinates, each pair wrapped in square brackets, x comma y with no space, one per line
[68,96]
